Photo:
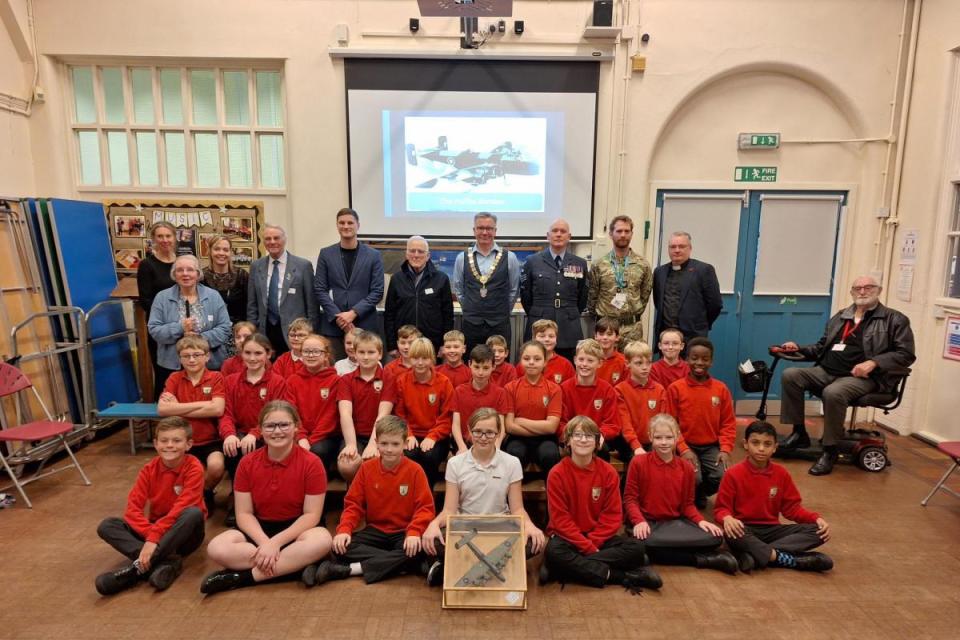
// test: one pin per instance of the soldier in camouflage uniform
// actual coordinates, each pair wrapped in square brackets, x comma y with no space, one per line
[620,283]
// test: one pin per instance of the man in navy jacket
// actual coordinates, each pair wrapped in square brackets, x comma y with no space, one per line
[349,283]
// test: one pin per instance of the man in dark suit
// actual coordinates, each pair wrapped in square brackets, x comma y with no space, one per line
[553,286]
[278,291]
[686,292]
[349,283]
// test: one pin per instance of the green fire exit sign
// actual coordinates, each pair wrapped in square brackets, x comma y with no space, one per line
[755,174]
[758,141]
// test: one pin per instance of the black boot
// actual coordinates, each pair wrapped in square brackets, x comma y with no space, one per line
[719,560]
[796,440]
[644,577]
[114,582]
[813,561]
[824,465]
[165,572]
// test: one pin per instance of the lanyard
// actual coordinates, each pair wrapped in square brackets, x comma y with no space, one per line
[619,270]
[849,327]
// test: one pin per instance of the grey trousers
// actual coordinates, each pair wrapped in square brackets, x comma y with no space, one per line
[836,392]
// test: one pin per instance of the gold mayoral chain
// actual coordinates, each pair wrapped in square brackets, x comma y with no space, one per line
[475,269]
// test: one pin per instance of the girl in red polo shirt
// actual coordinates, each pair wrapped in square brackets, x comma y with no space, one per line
[534,414]
[234,364]
[279,491]
[313,391]
[659,503]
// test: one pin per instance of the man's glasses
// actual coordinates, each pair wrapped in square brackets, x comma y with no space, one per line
[864,289]
[276,426]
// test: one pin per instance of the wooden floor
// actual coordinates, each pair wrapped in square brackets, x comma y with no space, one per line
[897,575]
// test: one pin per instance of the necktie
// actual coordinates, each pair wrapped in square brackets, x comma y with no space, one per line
[273,308]
[558,260]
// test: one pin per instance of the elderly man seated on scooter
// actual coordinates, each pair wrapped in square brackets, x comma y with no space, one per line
[859,347]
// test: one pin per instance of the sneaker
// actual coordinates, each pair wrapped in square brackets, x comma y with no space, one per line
[164,573]
[435,574]
[813,561]
[746,563]
[719,560]
[114,582]
[644,577]
[328,570]
[223,580]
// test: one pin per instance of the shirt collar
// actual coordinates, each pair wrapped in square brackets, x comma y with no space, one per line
[493,250]
[696,383]
[657,460]
[282,258]
[493,461]
[286,461]
[553,256]
[393,471]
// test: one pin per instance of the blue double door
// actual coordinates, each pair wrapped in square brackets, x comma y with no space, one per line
[774,253]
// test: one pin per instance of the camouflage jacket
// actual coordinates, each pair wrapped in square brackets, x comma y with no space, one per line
[602,286]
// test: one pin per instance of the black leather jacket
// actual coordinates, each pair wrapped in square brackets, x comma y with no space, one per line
[887,340]
[428,305]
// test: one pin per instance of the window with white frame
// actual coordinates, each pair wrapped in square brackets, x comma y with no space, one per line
[169,128]
[951,284]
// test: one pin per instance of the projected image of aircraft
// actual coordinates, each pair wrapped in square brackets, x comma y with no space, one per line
[472,167]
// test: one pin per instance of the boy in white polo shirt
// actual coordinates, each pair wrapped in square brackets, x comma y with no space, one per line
[482,481]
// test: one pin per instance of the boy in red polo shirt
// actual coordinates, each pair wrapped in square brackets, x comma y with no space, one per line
[558,369]
[585,395]
[479,392]
[535,409]
[197,394]
[241,331]
[313,391]
[670,367]
[638,397]
[613,367]
[401,361]
[358,401]
[704,408]
[752,496]
[425,401]
[454,346]
[503,372]
[659,503]
[157,539]
[289,363]
[391,495]
[583,498]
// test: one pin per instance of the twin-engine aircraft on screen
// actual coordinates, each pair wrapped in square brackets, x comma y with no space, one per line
[473,167]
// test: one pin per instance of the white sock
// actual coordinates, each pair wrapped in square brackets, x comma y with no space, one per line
[355,569]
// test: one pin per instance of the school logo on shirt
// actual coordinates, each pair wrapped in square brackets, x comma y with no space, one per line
[715,401]
[404,489]
[378,385]
[178,489]
[651,404]
[558,378]
[325,393]
[432,398]
[595,494]
[263,393]
[598,404]
[615,376]
[207,390]
[773,492]
[546,400]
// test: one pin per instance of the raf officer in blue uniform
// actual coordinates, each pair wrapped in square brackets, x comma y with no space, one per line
[553,286]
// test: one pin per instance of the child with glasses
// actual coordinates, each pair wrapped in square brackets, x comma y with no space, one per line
[279,492]
[313,391]
[197,394]
[482,481]
[289,363]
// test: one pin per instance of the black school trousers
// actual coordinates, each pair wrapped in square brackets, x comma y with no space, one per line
[568,564]
[183,538]
[678,542]
[758,540]
[380,554]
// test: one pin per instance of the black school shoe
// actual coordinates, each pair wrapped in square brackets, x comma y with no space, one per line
[795,440]
[813,561]
[644,577]
[543,576]
[746,562]
[223,580]
[327,570]
[164,573]
[435,574]
[114,582]
[824,465]
[719,560]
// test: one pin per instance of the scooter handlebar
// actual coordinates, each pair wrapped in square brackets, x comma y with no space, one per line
[778,351]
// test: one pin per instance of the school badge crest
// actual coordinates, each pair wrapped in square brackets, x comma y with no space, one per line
[546,400]
[595,494]
[598,404]
[325,393]
[207,390]
[263,393]
[651,404]
[715,401]
[773,492]
[178,489]
[432,398]
[558,378]
[404,489]
[378,385]
[615,377]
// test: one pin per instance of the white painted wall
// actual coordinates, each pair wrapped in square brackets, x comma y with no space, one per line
[812,70]
[16,166]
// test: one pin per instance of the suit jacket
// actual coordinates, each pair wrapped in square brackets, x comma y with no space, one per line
[539,285]
[700,301]
[296,293]
[334,294]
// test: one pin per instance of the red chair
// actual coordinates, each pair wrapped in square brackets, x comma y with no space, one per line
[952,449]
[12,381]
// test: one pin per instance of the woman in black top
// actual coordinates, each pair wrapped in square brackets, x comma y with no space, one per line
[153,276]
[223,276]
